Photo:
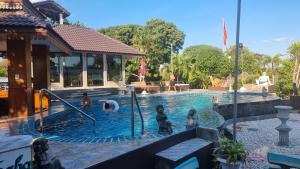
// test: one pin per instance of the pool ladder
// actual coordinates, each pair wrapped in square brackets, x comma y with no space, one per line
[134,99]
[42,91]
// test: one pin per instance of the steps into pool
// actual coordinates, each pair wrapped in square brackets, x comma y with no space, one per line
[73,94]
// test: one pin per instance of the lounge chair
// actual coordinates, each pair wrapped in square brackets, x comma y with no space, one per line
[182,86]
[191,163]
[143,86]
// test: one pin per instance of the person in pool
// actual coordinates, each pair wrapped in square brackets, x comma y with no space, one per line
[86,101]
[107,108]
[192,119]
[164,125]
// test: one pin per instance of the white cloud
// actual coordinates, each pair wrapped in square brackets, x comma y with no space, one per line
[281,39]
[278,39]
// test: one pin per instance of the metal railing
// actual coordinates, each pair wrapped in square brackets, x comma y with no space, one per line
[134,99]
[42,91]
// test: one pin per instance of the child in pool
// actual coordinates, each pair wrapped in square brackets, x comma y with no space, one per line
[192,119]
[161,118]
[86,101]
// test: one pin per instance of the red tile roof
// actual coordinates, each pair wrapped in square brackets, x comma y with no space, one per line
[89,40]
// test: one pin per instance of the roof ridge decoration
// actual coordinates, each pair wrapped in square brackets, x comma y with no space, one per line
[11,5]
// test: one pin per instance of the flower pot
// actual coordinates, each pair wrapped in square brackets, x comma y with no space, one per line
[225,165]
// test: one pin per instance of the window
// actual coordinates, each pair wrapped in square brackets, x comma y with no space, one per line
[54,68]
[94,69]
[73,71]
[114,67]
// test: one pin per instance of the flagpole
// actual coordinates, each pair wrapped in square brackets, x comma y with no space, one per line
[236,66]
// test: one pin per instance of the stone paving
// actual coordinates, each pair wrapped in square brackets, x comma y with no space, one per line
[260,137]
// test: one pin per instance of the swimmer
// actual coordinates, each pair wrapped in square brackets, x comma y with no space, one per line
[86,101]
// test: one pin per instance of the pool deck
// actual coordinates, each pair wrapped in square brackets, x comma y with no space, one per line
[260,137]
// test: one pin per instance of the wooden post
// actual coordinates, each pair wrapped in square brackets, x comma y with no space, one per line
[19,76]
[41,74]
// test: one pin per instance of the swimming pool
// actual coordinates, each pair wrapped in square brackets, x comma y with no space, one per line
[69,126]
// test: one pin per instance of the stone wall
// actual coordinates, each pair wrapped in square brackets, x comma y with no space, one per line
[258,108]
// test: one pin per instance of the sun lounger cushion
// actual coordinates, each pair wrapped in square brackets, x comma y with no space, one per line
[284,160]
[192,163]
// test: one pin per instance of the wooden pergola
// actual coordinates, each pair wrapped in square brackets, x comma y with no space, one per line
[25,38]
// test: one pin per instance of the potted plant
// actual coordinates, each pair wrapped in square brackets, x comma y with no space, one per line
[229,154]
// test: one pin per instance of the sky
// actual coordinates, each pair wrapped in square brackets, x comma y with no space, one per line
[267,26]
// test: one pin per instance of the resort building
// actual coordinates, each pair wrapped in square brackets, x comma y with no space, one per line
[44,53]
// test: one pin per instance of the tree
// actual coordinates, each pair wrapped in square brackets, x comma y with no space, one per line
[78,23]
[123,33]
[249,61]
[285,85]
[156,39]
[276,62]
[294,51]
[197,63]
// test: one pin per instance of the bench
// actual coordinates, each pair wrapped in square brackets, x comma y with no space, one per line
[182,152]
[283,160]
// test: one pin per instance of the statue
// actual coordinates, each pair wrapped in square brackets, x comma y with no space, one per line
[42,158]
[263,80]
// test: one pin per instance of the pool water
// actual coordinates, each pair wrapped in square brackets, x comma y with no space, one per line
[70,124]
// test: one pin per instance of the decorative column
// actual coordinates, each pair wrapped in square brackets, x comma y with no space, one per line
[104,70]
[84,71]
[123,70]
[283,129]
[61,71]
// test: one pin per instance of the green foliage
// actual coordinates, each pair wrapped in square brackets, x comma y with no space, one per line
[285,83]
[248,61]
[155,39]
[231,151]
[165,72]
[294,49]
[197,63]
[123,33]
[3,71]
[132,70]
[78,23]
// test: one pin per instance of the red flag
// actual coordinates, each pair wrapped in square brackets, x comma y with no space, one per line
[225,33]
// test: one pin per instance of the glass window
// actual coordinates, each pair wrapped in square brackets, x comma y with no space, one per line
[54,68]
[114,67]
[73,71]
[94,69]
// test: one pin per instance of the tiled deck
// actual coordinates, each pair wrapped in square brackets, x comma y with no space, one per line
[77,156]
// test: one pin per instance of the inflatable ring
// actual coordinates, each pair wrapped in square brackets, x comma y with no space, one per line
[111,102]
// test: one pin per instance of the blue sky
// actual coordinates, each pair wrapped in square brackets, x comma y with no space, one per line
[267,26]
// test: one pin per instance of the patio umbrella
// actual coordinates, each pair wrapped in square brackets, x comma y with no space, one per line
[143,68]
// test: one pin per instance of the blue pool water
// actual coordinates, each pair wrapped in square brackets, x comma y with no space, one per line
[70,124]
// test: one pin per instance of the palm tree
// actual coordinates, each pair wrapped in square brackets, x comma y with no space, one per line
[294,51]
[276,61]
